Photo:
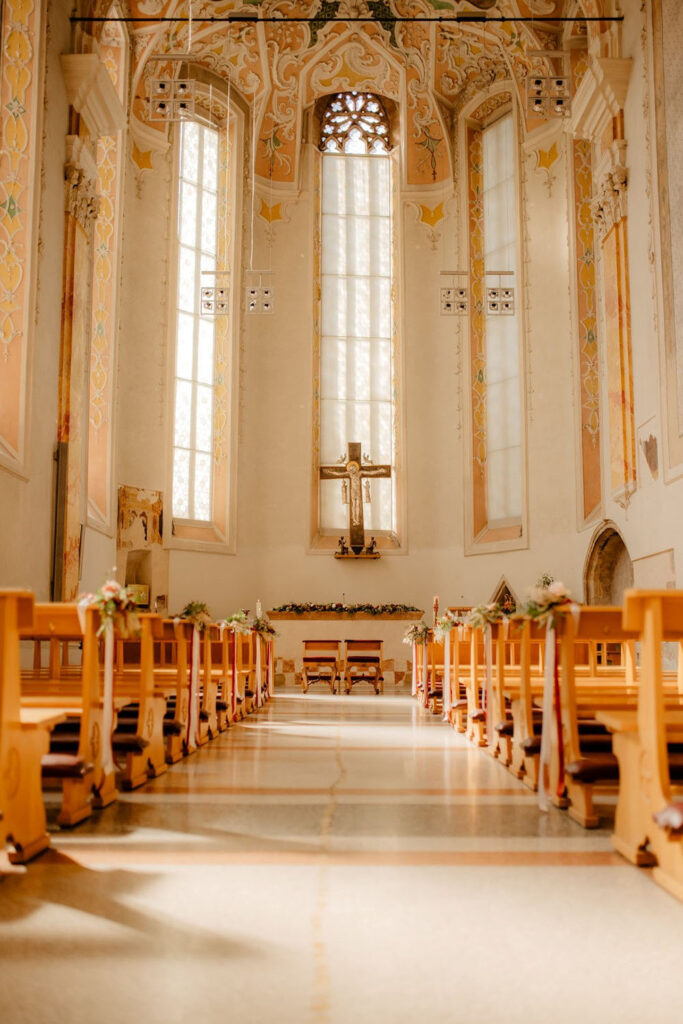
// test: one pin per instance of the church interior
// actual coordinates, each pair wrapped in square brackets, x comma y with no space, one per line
[287,288]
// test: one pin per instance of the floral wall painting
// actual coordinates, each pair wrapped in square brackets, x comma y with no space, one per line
[587,326]
[21,29]
[280,68]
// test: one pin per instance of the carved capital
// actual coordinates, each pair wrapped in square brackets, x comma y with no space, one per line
[609,202]
[82,200]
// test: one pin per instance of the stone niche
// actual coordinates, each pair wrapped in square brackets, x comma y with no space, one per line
[140,555]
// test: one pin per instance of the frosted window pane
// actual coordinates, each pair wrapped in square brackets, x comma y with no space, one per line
[356,365]
[187,280]
[190,150]
[202,487]
[503,406]
[205,352]
[210,179]
[188,213]
[381,371]
[208,222]
[183,413]
[505,484]
[195,347]
[181,483]
[203,421]
[184,346]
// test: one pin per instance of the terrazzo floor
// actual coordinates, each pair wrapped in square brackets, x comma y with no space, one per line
[334,860]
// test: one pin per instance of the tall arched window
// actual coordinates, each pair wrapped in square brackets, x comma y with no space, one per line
[356,386]
[193,409]
[203,410]
[496,364]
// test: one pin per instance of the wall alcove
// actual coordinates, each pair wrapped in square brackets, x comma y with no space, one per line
[608,571]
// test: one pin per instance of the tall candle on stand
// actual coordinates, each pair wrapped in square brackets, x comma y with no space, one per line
[258,609]
[436,609]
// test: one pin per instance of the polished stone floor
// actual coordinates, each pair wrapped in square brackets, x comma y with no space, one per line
[335,860]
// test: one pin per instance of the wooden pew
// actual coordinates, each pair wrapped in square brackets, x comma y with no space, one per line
[172,651]
[582,750]
[24,739]
[246,665]
[139,732]
[648,743]
[78,688]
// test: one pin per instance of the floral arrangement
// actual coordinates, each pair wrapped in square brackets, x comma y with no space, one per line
[545,602]
[446,623]
[544,580]
[418,633]
[262,624]
[483,615]
[198,613]
[115,604]
[349,609]
[238,623]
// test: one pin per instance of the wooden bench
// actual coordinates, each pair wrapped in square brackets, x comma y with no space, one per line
[648,744]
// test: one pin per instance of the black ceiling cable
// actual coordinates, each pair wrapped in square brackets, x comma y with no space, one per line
[255,19]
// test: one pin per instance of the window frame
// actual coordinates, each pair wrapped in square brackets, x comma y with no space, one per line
[217,534]
[501,534]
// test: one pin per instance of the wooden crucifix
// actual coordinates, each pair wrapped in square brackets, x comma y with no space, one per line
[355,472]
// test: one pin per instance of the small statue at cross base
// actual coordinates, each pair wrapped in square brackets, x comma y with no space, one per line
[342,547]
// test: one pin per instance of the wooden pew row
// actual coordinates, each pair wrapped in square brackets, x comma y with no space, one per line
[582,760]
[51,715]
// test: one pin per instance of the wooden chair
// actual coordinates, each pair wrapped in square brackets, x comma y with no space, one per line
[363,664]
[322,663]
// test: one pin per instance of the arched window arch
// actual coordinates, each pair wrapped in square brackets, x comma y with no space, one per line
[355,388]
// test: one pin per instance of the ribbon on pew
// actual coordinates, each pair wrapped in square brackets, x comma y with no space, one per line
[108,765]
[446,677]
[193,706]
[259,674]
[270,674]
[488,680]
[233,644]
[414,686]
[549,684]
[425,675]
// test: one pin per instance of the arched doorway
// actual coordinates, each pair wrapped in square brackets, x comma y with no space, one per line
[609,569]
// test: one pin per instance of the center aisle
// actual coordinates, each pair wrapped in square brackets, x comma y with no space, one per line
[335,860]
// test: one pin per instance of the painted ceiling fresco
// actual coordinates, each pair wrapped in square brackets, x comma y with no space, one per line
[430,70]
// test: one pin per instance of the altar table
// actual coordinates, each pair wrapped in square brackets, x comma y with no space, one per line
[293,629]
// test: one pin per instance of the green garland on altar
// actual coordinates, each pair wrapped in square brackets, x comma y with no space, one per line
[347,609]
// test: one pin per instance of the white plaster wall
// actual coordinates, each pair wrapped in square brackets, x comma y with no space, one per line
[27,506]
[652,521]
